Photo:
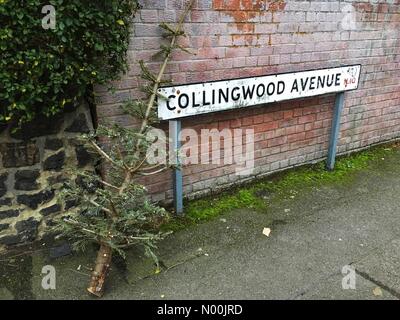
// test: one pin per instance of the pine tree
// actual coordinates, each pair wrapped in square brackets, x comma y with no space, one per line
[115,211]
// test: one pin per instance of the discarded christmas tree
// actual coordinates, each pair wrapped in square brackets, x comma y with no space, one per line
[115,211]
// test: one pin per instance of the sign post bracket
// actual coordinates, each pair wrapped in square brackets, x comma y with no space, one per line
[337,112]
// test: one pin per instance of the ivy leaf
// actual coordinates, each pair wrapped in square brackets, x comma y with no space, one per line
[99,46]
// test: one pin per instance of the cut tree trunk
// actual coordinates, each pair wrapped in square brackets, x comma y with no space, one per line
[100,270]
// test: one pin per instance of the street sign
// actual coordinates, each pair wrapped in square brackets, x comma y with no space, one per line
[193,99]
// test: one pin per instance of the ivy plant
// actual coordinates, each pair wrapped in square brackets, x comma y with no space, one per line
[45,71]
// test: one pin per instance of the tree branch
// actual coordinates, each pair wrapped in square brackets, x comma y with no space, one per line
[100,206]
[163,66]
[151,173]
[104,154]
[108,184]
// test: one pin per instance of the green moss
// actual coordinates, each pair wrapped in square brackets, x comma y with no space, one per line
[176,224]
[316,174]
[210,207]
[259,194]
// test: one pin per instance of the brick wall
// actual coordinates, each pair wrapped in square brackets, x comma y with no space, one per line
[240,38]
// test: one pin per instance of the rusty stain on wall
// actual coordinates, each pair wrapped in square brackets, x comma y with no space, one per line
[243,13]
[371,8]
[369,14]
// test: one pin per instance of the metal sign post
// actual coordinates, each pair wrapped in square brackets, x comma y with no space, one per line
[337,111]
[175,129]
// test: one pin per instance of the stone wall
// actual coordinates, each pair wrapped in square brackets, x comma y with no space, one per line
[240,38]
[33,163]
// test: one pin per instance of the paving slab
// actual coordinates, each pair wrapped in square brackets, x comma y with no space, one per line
[382,267]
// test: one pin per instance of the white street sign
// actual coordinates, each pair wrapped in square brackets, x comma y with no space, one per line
[192,99]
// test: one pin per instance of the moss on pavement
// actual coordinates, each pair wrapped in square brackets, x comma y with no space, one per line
[258,195]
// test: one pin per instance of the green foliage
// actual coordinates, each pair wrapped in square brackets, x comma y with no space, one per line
[136,223]
[117,211]
[43,72]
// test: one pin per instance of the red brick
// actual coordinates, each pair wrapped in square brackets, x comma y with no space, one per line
[264,127]
[296,137]
[277,141]
[306,119]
